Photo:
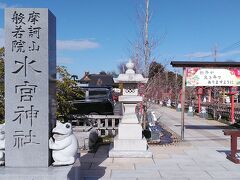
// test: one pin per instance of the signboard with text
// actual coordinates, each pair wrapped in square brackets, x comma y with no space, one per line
[213,77]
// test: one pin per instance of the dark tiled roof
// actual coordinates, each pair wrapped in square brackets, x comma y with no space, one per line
[98,80]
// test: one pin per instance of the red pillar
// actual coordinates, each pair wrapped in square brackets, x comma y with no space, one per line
[234,135]
[232,109]
[199,103]
[199,93]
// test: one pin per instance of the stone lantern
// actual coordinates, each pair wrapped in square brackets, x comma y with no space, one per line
[130,142]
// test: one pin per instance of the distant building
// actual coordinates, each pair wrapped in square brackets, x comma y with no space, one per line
[96,80]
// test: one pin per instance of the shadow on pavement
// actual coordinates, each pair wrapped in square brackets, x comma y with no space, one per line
[227,152]
[213,138]
[92,163]
[212,127]
[224,151]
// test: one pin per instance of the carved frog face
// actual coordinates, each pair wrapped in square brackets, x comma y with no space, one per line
[62,131]
[2,131]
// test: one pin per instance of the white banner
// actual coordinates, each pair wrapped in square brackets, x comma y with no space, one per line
[213,77]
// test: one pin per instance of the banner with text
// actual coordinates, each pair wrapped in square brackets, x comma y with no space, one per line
[213,77]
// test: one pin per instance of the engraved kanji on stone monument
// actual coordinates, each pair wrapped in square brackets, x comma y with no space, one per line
[30,73]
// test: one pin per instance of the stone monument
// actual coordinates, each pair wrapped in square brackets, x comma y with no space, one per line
[130,142]
[203,112]
[30,85]
[190,111]
[169,103]
[179,107]
[228,101]
[30,96]
[2,144]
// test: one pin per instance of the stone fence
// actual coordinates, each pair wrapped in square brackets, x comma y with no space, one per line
[220,109]
[104,124]
[224,111]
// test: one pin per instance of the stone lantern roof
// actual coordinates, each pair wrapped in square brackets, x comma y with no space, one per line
[130,76]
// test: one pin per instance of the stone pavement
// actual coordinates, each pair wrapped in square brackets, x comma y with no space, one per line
[200,156]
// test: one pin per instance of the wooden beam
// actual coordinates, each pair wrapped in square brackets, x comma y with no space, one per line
[183,103]
[204,64]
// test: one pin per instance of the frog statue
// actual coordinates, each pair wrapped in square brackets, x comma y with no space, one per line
[2,144]
[64,144]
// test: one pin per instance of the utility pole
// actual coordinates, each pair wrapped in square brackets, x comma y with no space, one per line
[146,40]
[215,53]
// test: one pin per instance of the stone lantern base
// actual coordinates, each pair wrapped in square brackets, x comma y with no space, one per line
[125,148]
[129,142]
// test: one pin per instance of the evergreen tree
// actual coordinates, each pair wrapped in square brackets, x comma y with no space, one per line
[67,90]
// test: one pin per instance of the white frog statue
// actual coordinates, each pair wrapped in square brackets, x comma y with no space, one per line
[64,144]
[2,144]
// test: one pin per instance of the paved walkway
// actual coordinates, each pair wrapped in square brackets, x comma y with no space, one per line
[200,156]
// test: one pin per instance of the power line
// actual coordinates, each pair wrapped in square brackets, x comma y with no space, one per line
[215,53]
[231,47]
[228,48]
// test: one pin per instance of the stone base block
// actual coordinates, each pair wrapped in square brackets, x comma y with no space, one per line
[71,172]
[129,153]
[204,115]
[130,144]
[129,131]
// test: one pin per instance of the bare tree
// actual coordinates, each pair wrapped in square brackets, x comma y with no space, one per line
[122,67]
[146,62]
[162,83]
[142,53]
[142,48]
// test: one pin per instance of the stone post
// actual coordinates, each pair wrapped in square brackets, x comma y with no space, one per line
[30,90]
[190,111]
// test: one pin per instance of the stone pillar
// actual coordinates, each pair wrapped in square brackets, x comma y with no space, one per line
[190,111]
[130,142]
[30,90]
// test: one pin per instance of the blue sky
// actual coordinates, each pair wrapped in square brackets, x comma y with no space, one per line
[94,35]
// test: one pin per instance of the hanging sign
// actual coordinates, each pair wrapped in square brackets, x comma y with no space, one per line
[213,77]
